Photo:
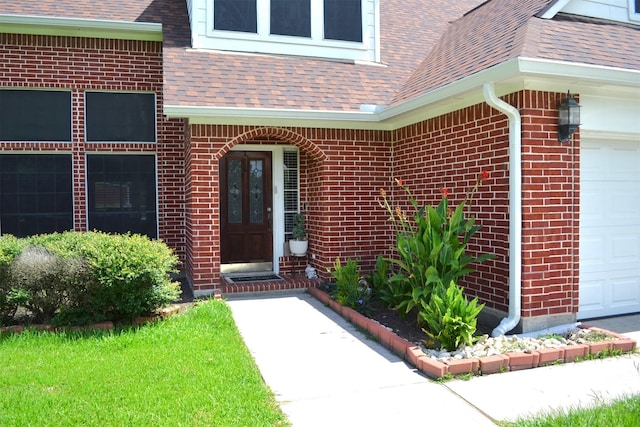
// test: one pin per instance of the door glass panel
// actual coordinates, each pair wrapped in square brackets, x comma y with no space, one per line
[256,202]
[234,179]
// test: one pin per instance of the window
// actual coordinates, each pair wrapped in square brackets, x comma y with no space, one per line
[235,15]
[121,191]
[343,20]
[291,17]
[120,116]
[35,115]
[36,193]
[291,190]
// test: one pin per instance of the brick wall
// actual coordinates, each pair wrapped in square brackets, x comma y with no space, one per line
[80,64]
[450,151]
[341,173]
[550,213]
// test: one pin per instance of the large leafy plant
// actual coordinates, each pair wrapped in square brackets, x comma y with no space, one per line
[431,247]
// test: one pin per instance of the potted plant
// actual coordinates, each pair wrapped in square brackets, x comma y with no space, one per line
[298,244]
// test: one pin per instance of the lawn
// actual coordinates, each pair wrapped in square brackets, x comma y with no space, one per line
[189,370]
[623,412]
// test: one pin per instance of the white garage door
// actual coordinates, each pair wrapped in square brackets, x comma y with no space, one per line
[609,228]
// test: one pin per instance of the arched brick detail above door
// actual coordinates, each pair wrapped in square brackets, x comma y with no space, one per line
[283,134]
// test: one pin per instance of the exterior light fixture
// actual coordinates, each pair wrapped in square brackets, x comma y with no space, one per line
[568,118]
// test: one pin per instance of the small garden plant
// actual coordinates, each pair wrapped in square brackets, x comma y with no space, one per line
[351,289]
[431,258]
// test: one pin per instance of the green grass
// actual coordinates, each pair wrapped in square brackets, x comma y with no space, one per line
[190,370]
[624,412]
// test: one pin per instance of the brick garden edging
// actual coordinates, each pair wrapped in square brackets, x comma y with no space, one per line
[161,314]
[512,361]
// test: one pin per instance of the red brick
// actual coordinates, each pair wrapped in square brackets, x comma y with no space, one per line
[519,361]
[573,352]
[432,368]
[462,366]
[548,356]
[494,364]
[625,345]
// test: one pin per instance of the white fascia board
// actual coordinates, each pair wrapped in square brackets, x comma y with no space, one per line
[273,117]
[74,27]
[582,73]
[509,77]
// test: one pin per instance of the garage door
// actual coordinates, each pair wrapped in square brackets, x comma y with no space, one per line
[609,228]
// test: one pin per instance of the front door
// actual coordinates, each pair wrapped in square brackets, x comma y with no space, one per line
[245,207]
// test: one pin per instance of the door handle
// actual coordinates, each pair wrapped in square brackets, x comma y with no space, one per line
[269,218]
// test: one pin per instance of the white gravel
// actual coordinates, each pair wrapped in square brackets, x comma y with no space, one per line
[488,346]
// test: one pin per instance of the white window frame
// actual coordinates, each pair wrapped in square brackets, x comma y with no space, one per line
[316,45]
[634,15]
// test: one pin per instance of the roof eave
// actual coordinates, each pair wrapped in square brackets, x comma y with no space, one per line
[508,77]
[74,27]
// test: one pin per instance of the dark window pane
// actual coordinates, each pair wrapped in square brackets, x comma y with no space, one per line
[637,6]
[122,193]
[343,20]
[291,17]
[127,117]
[36,193]
[235,15]
[35,115]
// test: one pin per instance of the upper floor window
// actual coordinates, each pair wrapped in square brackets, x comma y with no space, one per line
[634,11]
[340,19]
[340,29]
[35,115]
[120,117]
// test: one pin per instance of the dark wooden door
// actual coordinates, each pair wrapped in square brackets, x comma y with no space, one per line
[245,207]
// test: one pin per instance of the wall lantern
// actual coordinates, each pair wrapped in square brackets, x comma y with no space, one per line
[568,118]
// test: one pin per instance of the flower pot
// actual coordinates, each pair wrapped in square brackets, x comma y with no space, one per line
[298,247]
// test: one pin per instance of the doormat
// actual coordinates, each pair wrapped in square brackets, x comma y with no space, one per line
[254,278]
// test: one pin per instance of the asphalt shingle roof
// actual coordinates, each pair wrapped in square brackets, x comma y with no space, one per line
[424,44]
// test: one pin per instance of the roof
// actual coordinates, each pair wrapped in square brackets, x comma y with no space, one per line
[500,30]
[425,44]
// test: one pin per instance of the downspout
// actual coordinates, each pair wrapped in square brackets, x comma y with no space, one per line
[515,209]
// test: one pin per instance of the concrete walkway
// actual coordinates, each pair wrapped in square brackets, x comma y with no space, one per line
[326,373]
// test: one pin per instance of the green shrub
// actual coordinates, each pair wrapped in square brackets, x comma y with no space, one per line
[10,296]
[41,274]
[91,276]
[450,318]
[131,271]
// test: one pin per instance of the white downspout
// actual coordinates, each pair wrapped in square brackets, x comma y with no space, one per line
[515,209]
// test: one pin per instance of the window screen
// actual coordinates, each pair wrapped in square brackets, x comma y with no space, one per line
[129,117]
[291,17]
[36,194]
[343,20]
[235,15]
[35,115]
[121,191]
